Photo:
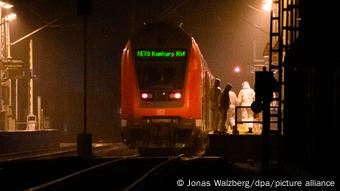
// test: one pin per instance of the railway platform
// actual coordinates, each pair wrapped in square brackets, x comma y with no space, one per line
[240,147]
[16,141]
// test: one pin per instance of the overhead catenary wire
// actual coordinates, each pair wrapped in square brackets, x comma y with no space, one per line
[37,30]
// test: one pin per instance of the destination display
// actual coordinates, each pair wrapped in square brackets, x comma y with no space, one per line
[160,54]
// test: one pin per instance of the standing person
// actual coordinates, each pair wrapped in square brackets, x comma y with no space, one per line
[246,97]
[215,103]
[224,106]
[231,111]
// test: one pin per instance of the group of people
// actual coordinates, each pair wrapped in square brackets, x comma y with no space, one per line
[227,101]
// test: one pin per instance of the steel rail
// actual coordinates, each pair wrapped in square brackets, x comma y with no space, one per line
[64,178]
[147,174]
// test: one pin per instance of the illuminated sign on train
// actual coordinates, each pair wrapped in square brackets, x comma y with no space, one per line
[160,53]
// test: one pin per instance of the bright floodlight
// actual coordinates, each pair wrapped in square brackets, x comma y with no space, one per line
[5,5]
[10,17]
[267,5]
[237,69]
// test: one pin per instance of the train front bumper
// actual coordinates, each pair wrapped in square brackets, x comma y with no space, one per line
[158,132]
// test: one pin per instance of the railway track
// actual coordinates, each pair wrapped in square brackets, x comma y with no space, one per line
[124,173]
[65,150]
[101,172]
[36,154]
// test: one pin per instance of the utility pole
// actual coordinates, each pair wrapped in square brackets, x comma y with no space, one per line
[265,85]
[84,140]
[39,112]
[31,118]
[5,57]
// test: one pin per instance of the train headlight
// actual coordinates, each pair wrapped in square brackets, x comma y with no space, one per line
[146,95]
[178,95]
[175,95]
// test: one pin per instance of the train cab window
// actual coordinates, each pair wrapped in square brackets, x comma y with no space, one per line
[160,75]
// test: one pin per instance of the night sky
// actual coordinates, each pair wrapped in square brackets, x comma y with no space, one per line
[227,32]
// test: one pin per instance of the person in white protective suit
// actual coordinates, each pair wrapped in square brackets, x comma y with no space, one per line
[246,97]
[231,111]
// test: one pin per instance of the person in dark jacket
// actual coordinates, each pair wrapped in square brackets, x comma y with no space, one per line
[224,106]
[215,96]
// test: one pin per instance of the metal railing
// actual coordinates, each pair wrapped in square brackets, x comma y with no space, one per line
[257,119]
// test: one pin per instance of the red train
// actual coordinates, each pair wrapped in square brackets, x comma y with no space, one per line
[165,88]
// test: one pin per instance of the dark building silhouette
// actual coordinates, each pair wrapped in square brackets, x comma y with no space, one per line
[312,92]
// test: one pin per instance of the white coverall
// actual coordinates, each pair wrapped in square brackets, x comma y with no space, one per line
[231,111]
[246,97]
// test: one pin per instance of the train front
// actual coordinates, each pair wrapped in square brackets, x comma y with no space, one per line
[161,95]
